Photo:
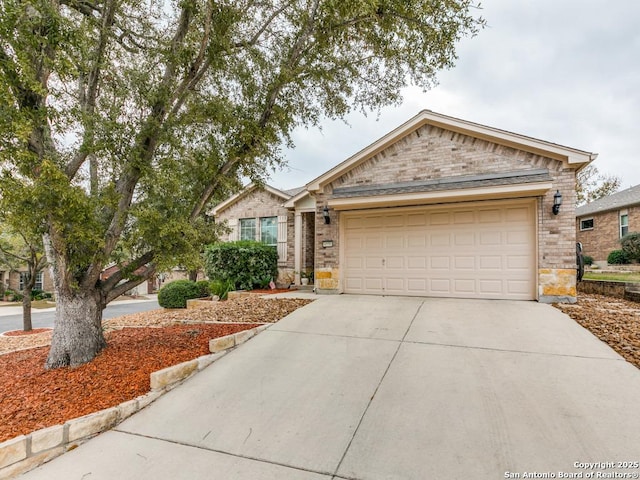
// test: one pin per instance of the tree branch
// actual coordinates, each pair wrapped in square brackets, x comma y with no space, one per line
[115,292]
[111,282]
[88,96]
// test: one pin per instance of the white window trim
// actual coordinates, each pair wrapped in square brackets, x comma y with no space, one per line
[620,215]
[585,220]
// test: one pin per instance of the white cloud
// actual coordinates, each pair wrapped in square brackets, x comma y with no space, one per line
[564,71]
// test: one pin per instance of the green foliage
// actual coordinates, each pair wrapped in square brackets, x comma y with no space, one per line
[588,260]
[631,245]
[175,294]
[13,296]
[592,185]
[221,288]
[120,122]
[246,264]
[204,288]
[618,257]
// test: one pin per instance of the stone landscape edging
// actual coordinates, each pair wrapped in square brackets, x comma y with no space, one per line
[26,452]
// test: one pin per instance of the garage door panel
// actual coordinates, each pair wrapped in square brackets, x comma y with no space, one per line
[440,218]
[464,263]
[464,217]
[490,238]
[416,285]
[440,239]
[517,287]
[464,239]
[454,251]
[395,285]
[416,219]
[416,263]
[416,241]
[440,285]
[491,287]
[440,263]
[395,263]
[372,263]
[373,283]
[490,262]
[490,216]
[355,263]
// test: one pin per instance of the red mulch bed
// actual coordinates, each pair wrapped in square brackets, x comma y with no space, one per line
[21,333]
[32,397]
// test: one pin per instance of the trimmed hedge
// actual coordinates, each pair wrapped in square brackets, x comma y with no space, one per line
[176,294]
[245,264]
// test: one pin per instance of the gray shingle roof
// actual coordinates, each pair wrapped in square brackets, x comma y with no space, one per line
[451,183]
[293,191]
[625,198]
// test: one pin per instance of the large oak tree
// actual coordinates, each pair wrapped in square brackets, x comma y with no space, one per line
[121,120]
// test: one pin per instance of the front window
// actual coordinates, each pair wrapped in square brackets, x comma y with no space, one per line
[624,224]
[247,229]
[37,286]
[269,230]
[586,224]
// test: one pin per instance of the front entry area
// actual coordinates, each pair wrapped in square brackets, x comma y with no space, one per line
[477,250]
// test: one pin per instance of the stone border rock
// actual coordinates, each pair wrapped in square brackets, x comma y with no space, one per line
[26,452]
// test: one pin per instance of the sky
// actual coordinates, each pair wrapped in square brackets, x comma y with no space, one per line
[564,71]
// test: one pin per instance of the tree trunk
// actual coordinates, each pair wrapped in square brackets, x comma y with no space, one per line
[193,275]
[77,333]
[26,310]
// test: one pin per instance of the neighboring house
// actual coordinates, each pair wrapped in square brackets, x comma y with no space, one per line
[14,280]
[438,207]
[602,223]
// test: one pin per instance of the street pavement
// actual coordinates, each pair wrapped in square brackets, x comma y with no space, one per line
[11,317]
[372,388]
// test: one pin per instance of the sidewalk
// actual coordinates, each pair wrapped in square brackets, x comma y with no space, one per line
[17,310]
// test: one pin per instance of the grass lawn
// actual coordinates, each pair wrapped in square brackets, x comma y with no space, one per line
[615,277]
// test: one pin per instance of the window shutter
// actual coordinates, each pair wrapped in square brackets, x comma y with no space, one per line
[282,238]
[233,225]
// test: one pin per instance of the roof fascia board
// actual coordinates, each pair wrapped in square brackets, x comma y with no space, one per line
[447,196]
[245,191]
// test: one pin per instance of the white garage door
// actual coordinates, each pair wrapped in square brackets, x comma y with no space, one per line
[485,251]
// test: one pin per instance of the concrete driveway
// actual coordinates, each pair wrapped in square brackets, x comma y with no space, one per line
[363,387]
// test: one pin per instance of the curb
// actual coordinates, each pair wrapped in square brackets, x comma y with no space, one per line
[26,452]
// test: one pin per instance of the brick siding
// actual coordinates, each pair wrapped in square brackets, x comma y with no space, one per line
[260,203]
[605,235]
[431,153]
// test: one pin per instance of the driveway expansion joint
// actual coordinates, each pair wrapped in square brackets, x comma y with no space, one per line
[507,350]
[366,409]
[223,452]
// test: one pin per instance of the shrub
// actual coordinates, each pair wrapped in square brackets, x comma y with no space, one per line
[13,296]
[246,264]
[176,294]
[204,287]
[221,288]
[587,260]
[631,245]
[618,257]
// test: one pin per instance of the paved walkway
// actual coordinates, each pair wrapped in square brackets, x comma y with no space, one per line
[368,388]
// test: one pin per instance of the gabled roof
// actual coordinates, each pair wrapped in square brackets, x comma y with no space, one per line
[569,155]
[244,192]
[615,201]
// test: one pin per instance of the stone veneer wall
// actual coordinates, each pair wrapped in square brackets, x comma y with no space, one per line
[432,152]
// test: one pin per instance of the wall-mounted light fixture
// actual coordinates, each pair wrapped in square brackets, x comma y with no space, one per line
[557,201]
[325,214]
